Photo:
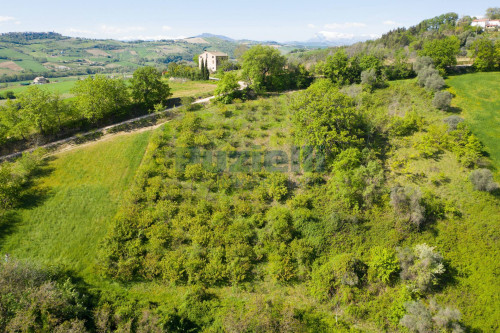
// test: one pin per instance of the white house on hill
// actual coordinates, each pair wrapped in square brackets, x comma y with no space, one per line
[212,59]
[486,23]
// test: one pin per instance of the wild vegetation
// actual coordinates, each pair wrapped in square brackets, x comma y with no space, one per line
[359,203]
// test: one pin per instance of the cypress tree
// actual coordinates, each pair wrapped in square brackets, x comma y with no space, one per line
[202,69]
[207,72]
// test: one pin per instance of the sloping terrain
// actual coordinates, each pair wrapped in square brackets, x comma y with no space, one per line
[477,98]
[73,200]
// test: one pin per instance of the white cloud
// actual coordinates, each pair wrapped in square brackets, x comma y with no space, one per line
[389,22]
[312,26]
[166,28]
[109,29]
[346,25]
[370,36]
[6,19]
[147,37]
[79,31]
[334,35]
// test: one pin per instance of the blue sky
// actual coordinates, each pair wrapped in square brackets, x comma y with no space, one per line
[257,19]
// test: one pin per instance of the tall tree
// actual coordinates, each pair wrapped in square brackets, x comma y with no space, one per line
[148,88]
[206,71]
[99,96]
[323,117]
[483,52]
[442,51]
[263,67]
[202,69]
[226,88]
[37,108]
[493,13]
[13,120]
[342,70]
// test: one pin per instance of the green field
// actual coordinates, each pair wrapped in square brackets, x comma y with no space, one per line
[63,87]
[191,88]
[178,88]
[76,201]
[478,97]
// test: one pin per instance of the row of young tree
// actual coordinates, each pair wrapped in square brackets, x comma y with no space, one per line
[197,226]
[38,111]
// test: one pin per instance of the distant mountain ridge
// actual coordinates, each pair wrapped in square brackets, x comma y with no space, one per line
[209,35]
[24,55]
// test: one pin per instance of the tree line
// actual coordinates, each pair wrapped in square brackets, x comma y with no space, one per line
[38,111]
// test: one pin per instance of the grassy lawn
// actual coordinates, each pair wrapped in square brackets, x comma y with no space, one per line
[78,197]
[191,88]
[478,96]
[178,88]
[62,86]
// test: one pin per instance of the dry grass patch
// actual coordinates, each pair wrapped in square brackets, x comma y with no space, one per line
[98,53]
[11,65]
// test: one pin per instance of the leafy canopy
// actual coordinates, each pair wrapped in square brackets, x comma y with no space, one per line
[325,117]
[226,88]
[148,88]
[442,51]
[99,96]
[263,67]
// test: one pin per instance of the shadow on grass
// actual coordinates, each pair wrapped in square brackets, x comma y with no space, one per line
[449,277]
[8,222]
[454,110]
[29,197]
[32,195]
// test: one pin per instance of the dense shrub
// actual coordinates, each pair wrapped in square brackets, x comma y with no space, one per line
[277,186]
[427,75]
[422,319]
[422,63]
[407,204]
[341,270]
[433,142]
[410,123]
[442,100]
[421,266]
[482,179]
[369,79]
[384,265]
[466,146]
[356,182]
[418,318]
[33,300]
[453,122]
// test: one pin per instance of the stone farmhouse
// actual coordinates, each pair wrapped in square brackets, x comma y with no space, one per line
[212,59]
[40,80]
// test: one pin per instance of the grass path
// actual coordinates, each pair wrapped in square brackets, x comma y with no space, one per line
[80,195]
[478,96]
